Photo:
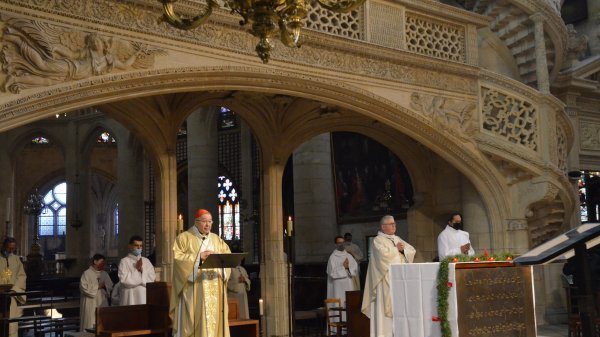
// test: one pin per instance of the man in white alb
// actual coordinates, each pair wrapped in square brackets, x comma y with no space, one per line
[453,240]
[134,272]
[357,254]
[341,269]
[387,249]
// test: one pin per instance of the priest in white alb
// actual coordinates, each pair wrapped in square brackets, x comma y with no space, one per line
[341,270]
[12,272]
[453,240]
[135,271]
[95,286]
[237,288]
[197,294]
[387,249]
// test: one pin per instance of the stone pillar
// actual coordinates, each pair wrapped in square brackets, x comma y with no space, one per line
[203,164]
[166,217]
[7,200]
[475,218]
[129,189]
[314,202]
[78,233]
[273,268]
[541,65]
[246,192]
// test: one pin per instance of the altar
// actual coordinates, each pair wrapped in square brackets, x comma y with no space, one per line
[485,299]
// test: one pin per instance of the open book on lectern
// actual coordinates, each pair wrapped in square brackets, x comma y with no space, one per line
[229,260]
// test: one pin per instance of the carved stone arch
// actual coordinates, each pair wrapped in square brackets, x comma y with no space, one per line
[159,138]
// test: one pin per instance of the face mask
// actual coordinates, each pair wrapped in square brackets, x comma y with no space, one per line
[340,247]
[136,251]
[457,225]
[100,266]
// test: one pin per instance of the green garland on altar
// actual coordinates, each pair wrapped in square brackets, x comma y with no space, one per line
[443,285]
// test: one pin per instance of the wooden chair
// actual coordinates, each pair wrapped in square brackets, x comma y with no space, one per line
[336,325]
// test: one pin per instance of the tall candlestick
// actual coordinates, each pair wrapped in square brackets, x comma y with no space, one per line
[180,223]
[8,208]
[261,309]
[290,226]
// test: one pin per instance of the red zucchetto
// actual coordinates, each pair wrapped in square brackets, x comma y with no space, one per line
[200,213]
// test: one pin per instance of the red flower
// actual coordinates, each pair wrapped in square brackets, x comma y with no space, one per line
[435,319]
[491,258]
[449,284]
[476,259]
[509,258]
[455,260]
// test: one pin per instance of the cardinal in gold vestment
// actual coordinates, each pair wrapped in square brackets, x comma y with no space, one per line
[197,295]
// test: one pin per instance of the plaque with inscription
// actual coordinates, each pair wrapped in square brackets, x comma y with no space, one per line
[495,302]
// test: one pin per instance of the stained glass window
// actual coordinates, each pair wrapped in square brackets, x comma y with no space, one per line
[229,209]
[40,140]
[106,137]
[53,220]
[116,215]
[589,196]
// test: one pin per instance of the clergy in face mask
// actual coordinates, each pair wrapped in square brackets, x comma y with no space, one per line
[95,286]
[387,249]
[341,269]
[134,272]
[12,272]
[453,240]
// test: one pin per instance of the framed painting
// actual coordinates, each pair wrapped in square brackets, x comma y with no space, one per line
[370,180]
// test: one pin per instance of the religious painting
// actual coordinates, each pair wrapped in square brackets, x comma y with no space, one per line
[370,180]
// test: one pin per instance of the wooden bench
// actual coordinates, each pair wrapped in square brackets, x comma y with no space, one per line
[132,320]
[240,327]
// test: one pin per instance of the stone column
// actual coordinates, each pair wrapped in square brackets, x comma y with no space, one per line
[166,223]
[541,65]
[246,192]
[130,192]
[78,238]
[7,200]
[203,164]
[314,202]
[273,267]
[475,218]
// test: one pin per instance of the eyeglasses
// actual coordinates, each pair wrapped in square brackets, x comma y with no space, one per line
[390,224]
[206,221]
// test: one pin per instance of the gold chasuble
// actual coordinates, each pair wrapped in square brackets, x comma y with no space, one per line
[197,296]
[12,272]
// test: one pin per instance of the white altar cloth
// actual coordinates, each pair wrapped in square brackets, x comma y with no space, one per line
[414,300]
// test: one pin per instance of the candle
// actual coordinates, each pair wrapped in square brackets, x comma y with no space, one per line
[290,226]
[8,208]
[261,309]
[180,223]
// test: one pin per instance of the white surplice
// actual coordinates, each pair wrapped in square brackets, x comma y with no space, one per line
[450,240]
[340,279]
[133,283]
[377,303]
[12,266]
[238,290]
[91,296]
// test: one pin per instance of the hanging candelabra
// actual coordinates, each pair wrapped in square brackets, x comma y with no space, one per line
[34,206]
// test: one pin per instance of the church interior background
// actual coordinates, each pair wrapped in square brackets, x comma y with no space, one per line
[416,108]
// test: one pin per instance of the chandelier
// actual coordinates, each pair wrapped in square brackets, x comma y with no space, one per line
[270,19]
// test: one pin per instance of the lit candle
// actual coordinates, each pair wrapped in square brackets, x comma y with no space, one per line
[180,223]
[290,226]
[261,309]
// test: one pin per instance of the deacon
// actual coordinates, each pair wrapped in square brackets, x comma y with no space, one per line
[95,286]
[12,272]
[134,272]
[453,240]
[357,254]
[377,303]
[341,270]
[196,299]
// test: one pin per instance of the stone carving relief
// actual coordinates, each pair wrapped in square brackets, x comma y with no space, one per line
[590,136]
[38,54]
[449,114]
[436,39]
[577,44]
[509,117]
[561,148]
